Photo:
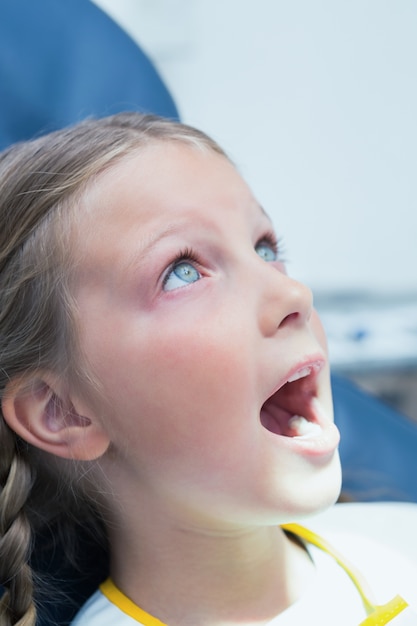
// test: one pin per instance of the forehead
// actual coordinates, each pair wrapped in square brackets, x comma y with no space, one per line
[165,179]
[161,168]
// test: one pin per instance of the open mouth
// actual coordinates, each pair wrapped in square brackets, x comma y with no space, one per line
[290,411]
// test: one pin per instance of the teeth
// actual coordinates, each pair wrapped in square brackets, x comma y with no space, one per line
[302,427]
[302,373]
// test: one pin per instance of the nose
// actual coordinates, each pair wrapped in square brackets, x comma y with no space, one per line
[284,301]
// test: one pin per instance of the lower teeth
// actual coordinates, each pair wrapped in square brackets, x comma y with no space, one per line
[302,427]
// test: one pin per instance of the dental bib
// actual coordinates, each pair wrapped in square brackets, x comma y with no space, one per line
[396,612]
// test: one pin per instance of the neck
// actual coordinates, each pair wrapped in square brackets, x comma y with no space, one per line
[190,576]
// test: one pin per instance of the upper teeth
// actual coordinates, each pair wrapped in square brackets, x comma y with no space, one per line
[302,373]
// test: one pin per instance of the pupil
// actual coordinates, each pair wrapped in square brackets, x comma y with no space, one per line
[186,272]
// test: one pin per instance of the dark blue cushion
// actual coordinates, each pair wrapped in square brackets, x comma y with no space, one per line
[378,446]
[61,61]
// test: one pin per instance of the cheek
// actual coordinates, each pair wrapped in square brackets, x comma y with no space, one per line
[318,330]
[325,384]
[197,372]
[175,415]
[172,385]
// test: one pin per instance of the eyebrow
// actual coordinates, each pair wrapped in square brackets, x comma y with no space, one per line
[147,244]
[263,211]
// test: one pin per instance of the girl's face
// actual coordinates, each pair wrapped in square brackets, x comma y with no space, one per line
[212,362]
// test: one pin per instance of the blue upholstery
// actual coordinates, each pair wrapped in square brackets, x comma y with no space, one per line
[61,61]
[378,446]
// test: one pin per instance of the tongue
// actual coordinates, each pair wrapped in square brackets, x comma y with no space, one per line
[282,422]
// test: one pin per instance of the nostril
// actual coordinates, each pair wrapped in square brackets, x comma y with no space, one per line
[289,319]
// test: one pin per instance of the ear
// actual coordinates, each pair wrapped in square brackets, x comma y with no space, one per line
[42,413]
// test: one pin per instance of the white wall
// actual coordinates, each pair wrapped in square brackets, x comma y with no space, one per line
[316,102]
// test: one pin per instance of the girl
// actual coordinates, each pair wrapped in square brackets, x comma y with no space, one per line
[160,370]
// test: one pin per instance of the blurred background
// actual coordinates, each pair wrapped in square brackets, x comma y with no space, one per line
[316,102]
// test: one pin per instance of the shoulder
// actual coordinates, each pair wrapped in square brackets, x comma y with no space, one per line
[378,539]
[99,611]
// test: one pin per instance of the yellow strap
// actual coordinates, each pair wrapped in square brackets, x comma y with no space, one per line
[385,613]
[125,604]
[377,614]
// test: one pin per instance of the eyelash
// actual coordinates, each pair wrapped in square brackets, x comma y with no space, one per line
[188,254]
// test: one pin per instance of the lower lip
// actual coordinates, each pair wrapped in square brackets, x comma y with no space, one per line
[321,445]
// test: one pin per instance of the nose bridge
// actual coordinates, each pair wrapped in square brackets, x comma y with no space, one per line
[283,300]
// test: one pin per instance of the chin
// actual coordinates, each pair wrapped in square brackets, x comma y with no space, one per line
[320,494]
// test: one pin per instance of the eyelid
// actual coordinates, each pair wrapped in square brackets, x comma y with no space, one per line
[268,237]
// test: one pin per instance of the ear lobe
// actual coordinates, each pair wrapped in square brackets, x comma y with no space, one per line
[41,412]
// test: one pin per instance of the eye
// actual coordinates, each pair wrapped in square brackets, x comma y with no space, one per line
[267,248]
[182,272]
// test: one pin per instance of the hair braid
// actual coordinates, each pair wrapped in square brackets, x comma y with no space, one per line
[16,603]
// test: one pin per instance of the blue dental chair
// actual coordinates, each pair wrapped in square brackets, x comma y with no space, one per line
[378,447]
[63,61]
[60,62]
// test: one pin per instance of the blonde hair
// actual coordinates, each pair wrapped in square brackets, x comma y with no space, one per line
[41,181]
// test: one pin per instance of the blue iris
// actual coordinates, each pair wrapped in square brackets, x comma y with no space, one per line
[181,274]
[267,252]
